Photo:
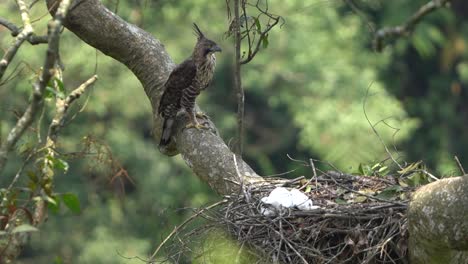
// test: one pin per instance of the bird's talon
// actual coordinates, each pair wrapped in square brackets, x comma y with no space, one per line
[196,125]
[201,115]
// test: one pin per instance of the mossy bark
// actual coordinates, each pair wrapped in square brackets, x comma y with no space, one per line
[438,222]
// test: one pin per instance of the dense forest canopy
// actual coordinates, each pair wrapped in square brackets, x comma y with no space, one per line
[315,91]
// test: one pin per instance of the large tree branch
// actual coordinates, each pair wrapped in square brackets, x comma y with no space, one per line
[438,222]
[204,151]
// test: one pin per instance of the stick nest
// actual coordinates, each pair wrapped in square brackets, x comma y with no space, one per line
[361,220]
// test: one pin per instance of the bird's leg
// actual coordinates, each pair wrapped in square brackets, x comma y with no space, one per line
[193,122]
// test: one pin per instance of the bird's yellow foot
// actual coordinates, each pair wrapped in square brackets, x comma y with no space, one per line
[201,115]
[196,125]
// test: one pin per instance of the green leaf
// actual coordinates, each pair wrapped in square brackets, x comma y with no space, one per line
[58,163]
[24,228]
[58,260]
[61,164]
[308,189]
[365,169]
[360,199]
[382,169]
[375,166]
[257,24]
[59,85]
[411,167]
[53,203]
[55,87]
[417,179]
[49,92]
[72,202]
[389,193]
[340,201]
[265,41]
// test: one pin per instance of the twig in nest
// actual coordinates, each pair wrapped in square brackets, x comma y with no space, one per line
[314,176]
[460,166]
[366,195]
[178,228]
[373,127]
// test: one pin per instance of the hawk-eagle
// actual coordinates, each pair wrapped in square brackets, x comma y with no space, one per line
[185,83]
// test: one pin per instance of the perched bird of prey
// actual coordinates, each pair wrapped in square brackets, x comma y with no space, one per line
[185,83]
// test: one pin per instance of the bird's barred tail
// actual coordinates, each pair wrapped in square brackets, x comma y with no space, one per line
[166,132]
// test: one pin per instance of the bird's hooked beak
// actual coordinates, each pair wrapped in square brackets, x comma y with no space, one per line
[215,49]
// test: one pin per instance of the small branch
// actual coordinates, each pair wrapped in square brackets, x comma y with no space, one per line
[405,29]
[462,170]
[177,228]
[259,42]
[314,176]
[12,27]
[11,52]
[33,39]
[238,80]
[374,130]
[62,106]
[24,10]
[273,20]
[22,36]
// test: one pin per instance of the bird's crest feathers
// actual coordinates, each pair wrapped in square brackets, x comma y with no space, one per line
[198,32]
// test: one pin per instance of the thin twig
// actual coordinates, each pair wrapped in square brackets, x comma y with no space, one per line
[10,26]
[462,170]
[373,127]
[62,106]
[366,195]
[312,164]
[177,228]
[238,81]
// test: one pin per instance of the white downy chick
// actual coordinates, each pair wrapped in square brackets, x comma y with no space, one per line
[281,198]
[301,201]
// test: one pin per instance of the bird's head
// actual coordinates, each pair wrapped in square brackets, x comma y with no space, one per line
[205,47]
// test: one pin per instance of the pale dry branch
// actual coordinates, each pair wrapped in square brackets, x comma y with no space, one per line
[62,106]
[460,166]
[22,36]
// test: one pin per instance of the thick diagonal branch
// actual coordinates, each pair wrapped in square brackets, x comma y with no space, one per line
[204,151]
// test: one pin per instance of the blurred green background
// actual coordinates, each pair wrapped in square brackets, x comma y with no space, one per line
[305,97]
